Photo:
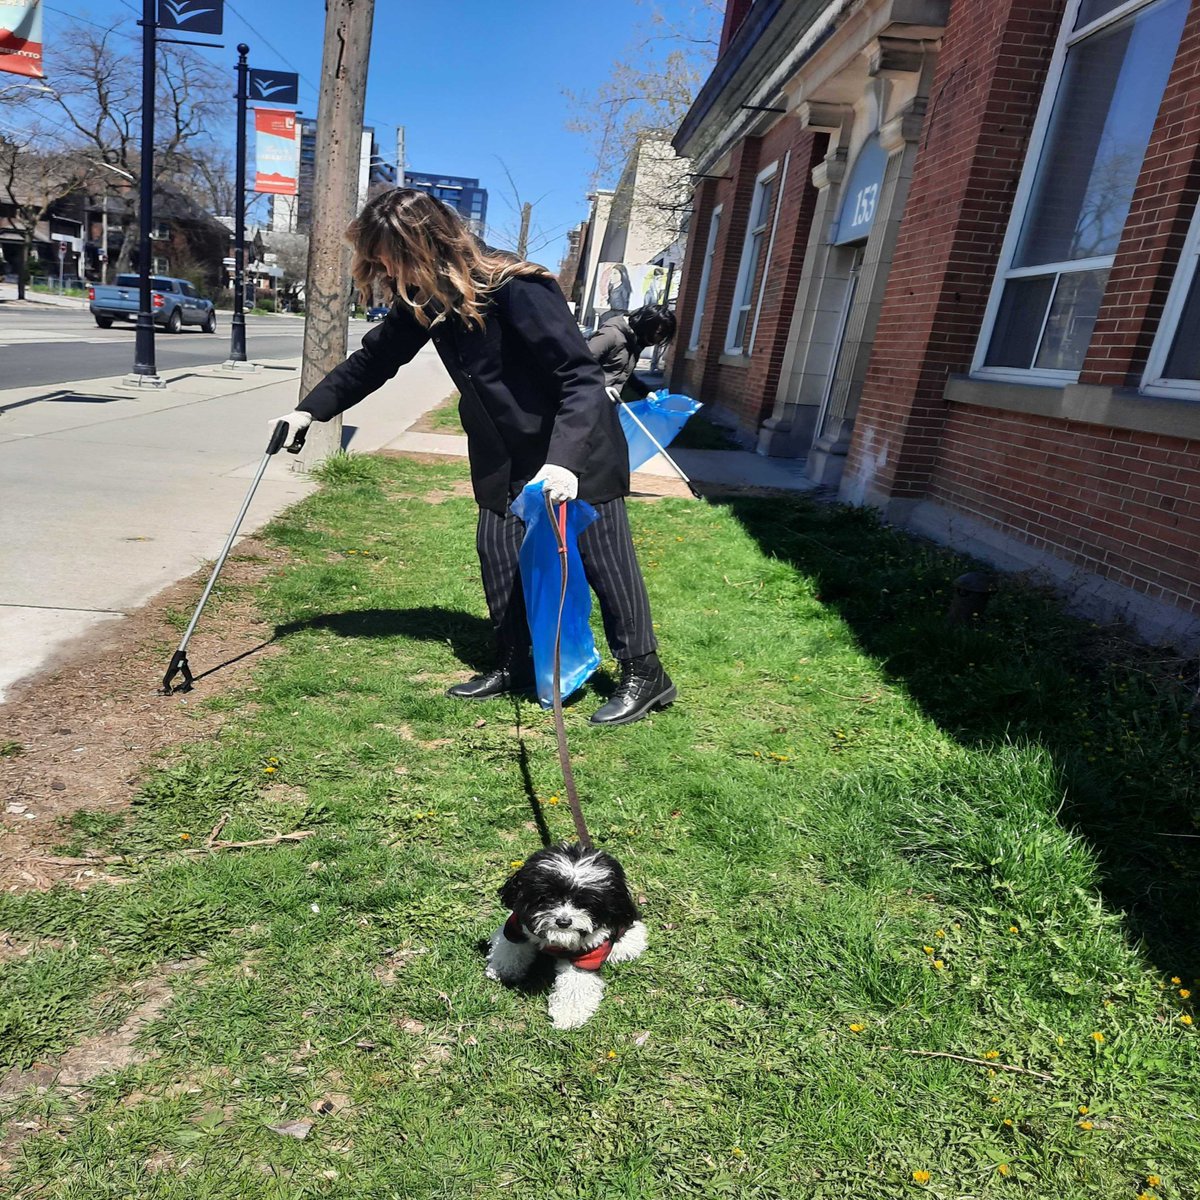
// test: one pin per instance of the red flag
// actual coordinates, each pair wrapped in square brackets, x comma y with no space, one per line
[277,151]
[21,38]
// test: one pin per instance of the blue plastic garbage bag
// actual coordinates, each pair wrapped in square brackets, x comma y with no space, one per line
[541,580]
[663,415]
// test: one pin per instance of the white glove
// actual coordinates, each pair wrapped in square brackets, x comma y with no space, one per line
[295,421]
[560,484]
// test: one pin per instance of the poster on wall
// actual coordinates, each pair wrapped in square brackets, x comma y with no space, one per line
[277,151]
[21,38]
[622,287]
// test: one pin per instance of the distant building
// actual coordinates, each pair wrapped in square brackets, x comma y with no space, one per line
[464,195]
[293,214]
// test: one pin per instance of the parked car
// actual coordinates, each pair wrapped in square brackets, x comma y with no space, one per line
[174,303]
[377,312]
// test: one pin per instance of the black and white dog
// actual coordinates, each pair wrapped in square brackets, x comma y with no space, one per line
[573,904]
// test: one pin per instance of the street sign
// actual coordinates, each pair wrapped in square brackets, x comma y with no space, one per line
[192,16]
[275,87]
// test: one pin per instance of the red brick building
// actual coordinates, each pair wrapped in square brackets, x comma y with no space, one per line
[946,250]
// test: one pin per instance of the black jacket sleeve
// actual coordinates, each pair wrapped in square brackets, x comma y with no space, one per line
[385,349]
[538,314]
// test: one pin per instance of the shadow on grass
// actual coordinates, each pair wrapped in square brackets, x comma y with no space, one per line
[1117,717]
[469,637]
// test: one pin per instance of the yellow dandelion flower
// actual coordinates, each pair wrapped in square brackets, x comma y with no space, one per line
[856,1028]
[1083,1110]
[992,1054]
[938,965]
[991,1073]
[612,1054]
[939,933]
[1098,1038]
[1186,1018]
[1153,1180]
[1003,1168]
[1085,1125]
[993,1099]
[552,800]
[185,837]
[738,1152]
[1146,1196]
[1013,929]
[921,1177]
[517,864]
[1185,993]
[270,770]
[1176,980]
[1008,1122]
[927,949]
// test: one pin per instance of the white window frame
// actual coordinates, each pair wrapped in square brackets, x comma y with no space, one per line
[745,267]
[1068,36]
[710,250]
[1154,383]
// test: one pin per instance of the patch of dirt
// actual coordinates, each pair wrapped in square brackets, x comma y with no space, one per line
[90,724]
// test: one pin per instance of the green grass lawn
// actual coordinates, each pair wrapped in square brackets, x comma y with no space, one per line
[861,838]
[443,418]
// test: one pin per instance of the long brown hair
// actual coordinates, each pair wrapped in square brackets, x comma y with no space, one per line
[417,247]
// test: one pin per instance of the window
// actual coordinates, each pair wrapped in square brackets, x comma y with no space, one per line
[752,256]
[1173,368]
[710,249]
[1097,114]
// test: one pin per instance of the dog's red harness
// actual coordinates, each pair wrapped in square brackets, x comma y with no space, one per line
[585,960]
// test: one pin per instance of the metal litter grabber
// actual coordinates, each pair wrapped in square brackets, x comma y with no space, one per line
[179,661]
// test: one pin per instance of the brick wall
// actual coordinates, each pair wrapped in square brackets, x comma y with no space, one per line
[1162,207]
[983,101]
[1122,505]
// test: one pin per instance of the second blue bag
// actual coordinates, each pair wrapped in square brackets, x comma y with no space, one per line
[663,415]
[541,581]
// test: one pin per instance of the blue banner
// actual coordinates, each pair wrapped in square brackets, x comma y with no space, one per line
[274,87]
[192,16]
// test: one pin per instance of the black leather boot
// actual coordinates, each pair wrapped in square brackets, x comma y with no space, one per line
[644,686]
[513,675]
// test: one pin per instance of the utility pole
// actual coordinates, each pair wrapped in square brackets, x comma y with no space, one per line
[344,61]
[400,156]
[523,238]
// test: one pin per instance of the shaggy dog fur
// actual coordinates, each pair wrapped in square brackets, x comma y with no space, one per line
[573,904]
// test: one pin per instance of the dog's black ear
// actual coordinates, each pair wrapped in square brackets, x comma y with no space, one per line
[510,893]
[622,909]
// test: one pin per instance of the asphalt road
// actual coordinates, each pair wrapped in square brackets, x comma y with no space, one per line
[53,346]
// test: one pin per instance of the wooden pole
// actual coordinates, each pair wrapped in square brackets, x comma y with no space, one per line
[335,204]
[523,239]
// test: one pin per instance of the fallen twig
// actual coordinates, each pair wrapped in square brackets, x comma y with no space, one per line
[212,837]
[279,838]
[993,1064]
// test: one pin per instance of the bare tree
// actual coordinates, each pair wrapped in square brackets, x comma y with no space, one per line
[97,89]
[650,87]
[33,178]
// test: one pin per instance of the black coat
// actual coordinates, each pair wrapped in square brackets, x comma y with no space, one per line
[530,391]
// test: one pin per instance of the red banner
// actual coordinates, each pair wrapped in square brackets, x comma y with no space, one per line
[277,151]
[21,38]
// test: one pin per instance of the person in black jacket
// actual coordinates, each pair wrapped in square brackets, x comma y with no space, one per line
[619,343]
[534,408]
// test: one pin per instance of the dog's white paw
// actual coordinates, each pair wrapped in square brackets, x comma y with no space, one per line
[630,944]
[575,997]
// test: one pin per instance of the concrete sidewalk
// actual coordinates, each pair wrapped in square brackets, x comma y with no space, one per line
[8,297]
[110,494]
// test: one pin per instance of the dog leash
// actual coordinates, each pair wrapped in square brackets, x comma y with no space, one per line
[559,522]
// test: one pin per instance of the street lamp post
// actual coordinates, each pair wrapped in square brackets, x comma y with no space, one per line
[145,373]
[237,341]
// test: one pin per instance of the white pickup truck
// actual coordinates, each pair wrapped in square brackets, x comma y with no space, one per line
[174,303]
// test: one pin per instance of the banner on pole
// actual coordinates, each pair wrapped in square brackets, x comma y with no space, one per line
[21,38]
[192,16]
[277,151]
[278,87]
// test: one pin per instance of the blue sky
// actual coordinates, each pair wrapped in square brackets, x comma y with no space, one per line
[472,82]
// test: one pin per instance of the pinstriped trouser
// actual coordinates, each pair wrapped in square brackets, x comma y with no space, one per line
[609,562]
